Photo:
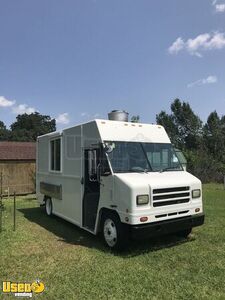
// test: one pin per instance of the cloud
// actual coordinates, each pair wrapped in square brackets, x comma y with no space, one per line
[16,109]
[178,45]
[6,102]
[203,42]
[23,109]
[209,80]
[219,8]
[63,119]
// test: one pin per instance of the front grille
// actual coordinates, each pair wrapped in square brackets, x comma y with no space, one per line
[172,214]
[171,196]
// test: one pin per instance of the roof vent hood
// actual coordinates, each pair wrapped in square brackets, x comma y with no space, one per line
[118,115]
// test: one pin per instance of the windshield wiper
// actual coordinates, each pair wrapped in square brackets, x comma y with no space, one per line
[139,170]
[133,171]
[170,169]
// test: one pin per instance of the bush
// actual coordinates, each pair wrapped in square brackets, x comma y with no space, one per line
[205,167]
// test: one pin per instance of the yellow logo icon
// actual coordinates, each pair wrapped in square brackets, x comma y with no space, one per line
[23,288]
[37,287]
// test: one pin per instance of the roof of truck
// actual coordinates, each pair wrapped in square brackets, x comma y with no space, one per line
[125,131]
[128,131]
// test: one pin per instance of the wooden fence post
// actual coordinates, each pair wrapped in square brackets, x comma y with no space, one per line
[14,211]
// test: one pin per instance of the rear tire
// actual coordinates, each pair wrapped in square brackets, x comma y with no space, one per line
[48,206]
[184,233]
[115,233]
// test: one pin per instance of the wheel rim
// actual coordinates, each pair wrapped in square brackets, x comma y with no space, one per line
[48,206]
[110,232]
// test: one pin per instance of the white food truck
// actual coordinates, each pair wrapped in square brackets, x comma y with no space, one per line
[119,178]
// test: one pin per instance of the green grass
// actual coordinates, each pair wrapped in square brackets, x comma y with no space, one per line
[75,265]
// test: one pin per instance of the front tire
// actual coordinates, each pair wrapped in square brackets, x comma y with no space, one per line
[48,206]
[115,233]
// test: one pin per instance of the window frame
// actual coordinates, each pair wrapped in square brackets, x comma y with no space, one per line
[50,154]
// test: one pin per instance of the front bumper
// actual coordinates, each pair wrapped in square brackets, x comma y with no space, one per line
[166,227]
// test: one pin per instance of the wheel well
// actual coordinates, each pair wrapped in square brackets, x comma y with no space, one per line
[46,197]
[105,211]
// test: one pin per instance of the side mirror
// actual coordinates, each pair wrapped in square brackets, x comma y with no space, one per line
[108,148]
[175,159]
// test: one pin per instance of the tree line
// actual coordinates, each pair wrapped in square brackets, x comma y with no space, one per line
[203,144]
[27,128]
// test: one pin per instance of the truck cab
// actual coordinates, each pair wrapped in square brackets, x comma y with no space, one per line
[144,189]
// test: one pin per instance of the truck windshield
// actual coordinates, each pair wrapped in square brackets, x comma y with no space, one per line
[126,157]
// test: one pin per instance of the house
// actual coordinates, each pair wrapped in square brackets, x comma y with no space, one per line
[17,167]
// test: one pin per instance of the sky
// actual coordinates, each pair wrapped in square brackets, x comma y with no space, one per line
[76,60]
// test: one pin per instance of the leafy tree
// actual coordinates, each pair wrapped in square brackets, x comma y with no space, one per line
[2,126]
[182,125]
[29,127]
[189,125]
[4,132]
[168,122]
[214,136]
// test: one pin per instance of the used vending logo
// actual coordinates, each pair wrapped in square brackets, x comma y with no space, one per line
[23,289]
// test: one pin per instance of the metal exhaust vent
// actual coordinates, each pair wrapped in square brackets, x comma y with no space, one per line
[118,115]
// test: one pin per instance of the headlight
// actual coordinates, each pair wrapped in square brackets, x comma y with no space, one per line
[196,193]
[142,199]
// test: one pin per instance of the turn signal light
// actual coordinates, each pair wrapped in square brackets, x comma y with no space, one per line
[143,219]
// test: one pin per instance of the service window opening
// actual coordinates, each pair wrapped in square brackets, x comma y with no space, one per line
[55,146]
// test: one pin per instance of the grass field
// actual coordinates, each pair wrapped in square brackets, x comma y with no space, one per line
[76,265]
